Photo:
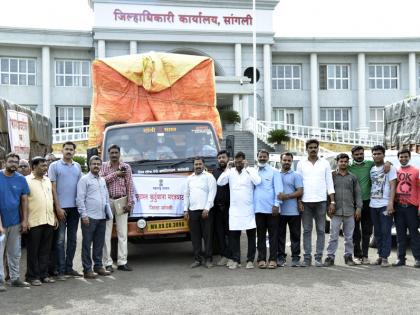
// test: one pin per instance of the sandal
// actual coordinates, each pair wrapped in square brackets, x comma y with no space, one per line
[272,264]
[262,264]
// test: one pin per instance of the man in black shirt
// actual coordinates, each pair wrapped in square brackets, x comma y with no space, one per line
[221,210]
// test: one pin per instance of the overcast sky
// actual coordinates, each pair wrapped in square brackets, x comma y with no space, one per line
[292,18]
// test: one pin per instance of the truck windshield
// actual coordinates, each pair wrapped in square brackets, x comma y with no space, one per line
[165,144]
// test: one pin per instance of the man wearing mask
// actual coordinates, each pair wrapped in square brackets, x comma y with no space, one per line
[267,208]
[64,175]
[407,208]
[242,180]
[14,192]
[221,210]
[199,194]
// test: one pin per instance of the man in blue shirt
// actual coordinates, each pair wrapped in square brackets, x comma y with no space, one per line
[267,207]
[14,192]
[290,215]
[64,175]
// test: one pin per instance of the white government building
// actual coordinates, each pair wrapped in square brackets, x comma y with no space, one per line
[336,83]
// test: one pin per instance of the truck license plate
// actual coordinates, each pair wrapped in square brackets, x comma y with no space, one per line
[166,225]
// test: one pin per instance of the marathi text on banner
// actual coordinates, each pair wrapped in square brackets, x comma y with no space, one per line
[159,195]
[18,124]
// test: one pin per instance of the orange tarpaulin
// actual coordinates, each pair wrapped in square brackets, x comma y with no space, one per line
[152,87]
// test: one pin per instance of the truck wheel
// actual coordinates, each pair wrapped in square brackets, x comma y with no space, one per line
[114,249]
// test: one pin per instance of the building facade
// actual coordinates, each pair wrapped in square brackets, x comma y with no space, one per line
[337,83]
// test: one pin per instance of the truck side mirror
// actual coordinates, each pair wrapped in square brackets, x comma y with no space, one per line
[89,153]
[230,145]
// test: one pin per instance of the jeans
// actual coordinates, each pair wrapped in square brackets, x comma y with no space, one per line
[317,211]
[267,222]
[364,233]
[38,249]
[12,243]
[221,228]
[382,225]
[201,229]
[93,233]
[294,222]
[348,227]
[406,218]
[235,243]
[65,257]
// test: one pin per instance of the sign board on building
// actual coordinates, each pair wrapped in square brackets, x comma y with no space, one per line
[18,124]
[108,15]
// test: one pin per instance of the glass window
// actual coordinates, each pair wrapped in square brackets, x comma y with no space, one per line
[383,77]
[335,118]
[286,77]
[376,123]
[72,73]
[334,77]
[17,71]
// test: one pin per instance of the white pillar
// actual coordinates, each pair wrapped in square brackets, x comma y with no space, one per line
[412,74]
[314,90]
[101,48]
[245,110]
[267,82]
[46,86]
[133,47]
[238,73]
[361,94]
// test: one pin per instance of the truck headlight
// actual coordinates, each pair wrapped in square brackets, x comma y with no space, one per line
[141,224]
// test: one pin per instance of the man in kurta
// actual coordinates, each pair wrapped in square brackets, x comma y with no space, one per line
[242,181]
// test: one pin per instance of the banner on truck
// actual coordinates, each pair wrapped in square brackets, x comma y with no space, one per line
[159,195]
[18,124]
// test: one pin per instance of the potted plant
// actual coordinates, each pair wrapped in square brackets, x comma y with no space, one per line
[229,118]
[277,136]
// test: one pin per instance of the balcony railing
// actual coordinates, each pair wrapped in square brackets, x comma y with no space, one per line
[75,133]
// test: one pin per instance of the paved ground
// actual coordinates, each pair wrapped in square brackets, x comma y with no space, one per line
[163,283]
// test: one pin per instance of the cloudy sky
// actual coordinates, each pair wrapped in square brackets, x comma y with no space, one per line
[292,18]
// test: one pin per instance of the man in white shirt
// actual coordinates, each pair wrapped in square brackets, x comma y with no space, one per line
[317,182]
[242,180]
[200,191]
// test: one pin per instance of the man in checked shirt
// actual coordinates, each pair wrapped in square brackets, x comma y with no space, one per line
[119,181]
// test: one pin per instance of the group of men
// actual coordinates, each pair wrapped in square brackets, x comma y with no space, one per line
[359,198]
[45,201]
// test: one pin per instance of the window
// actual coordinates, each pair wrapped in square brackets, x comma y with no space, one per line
[286,77]
[334,77]
[68,117]
[72,73]
[376,123]
[383,77]
[277,115]
[17,71]
[335,118]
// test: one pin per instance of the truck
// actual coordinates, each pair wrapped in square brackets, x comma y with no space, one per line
[160,109]
[23,131]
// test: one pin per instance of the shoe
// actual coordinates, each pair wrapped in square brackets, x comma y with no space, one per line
[261,264]
[306,263]
[209,264]
[398,263]
[229,262]
[329,261]
[74,273]
[234,265]
[102,272]
[2,287]
[365,261]
[90,275]
[124,268]
[318,263]
[19,283]
[61,278]
[378,261]
[281,262]
[48,280]
[36,283]
[250,265]
[222,262]
[195,264]
[295,263]
[272,264]
[109,268]
[385,263]
[349,261]
[416,264]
